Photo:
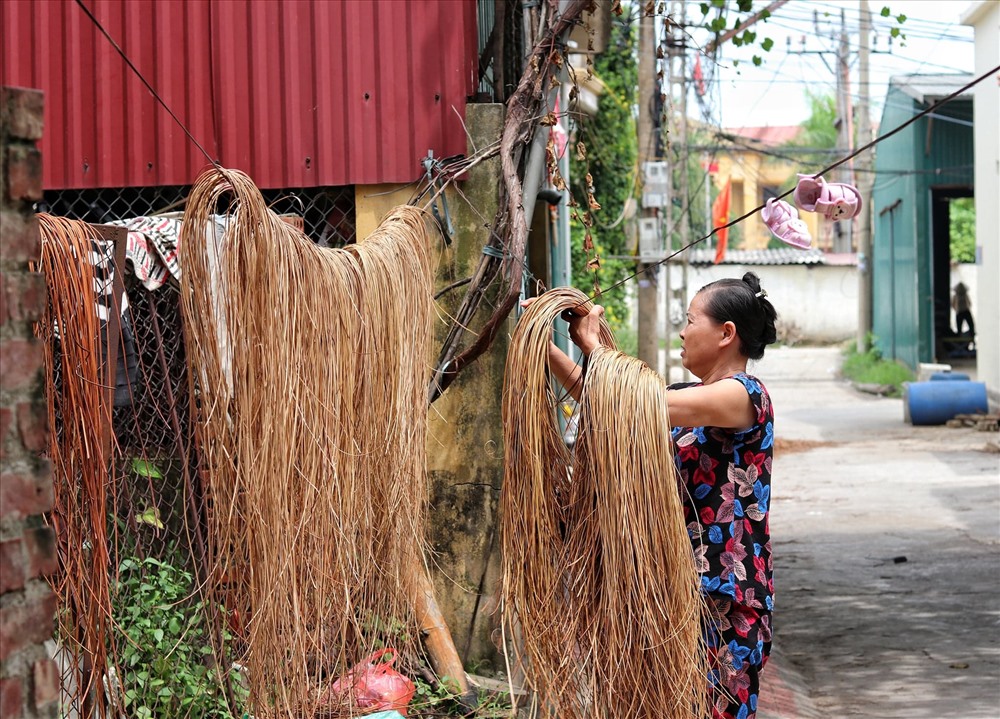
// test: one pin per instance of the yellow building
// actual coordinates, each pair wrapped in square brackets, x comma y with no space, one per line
[758,176]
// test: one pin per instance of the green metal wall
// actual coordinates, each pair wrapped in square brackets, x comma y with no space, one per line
[932,152]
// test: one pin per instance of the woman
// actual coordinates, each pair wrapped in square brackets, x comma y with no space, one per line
[723,431]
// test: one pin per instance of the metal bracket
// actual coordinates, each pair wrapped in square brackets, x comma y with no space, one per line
[432,167]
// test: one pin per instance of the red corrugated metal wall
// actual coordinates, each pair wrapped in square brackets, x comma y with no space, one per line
[298,93]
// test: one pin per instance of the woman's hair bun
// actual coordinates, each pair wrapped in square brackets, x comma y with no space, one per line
[745,304]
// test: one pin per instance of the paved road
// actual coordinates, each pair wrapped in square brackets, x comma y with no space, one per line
[887,555]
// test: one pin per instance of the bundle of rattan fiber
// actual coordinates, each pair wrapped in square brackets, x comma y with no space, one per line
[76,345]
[310,373]
[599,581]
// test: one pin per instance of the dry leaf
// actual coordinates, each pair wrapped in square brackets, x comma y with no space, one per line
[549,120]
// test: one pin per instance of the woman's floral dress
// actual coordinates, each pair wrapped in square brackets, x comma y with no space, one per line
[726,488]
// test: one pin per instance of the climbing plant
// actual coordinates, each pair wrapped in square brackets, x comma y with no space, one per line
[606,151]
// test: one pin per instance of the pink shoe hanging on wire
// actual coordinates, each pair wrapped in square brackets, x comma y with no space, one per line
[833,200]
[784,223]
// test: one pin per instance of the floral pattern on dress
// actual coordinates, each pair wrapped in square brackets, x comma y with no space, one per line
[725,483]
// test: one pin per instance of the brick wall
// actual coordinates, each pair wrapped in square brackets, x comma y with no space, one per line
[29,681]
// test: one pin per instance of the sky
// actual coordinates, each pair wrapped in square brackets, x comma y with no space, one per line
[775,93]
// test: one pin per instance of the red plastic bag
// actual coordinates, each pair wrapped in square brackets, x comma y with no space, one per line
[376,686]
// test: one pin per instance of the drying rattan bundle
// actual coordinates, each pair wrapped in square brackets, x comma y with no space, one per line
[598,578]
[311,372]
[80,451]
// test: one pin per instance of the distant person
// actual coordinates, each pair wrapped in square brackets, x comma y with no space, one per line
[961,303]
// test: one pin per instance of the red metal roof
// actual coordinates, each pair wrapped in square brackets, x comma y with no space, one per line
[297,93]
[771,136]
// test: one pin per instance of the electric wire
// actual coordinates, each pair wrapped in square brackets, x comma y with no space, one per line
[621,282]
[145,82]
[825,170]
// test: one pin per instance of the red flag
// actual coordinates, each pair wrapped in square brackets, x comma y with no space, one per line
[720,217]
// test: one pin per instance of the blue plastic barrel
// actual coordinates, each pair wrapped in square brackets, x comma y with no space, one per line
[951,376]
[937,402]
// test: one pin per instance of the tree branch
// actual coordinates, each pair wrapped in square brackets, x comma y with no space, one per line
[522,109]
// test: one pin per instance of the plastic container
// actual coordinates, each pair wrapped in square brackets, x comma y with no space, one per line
[927,403]
[949,376]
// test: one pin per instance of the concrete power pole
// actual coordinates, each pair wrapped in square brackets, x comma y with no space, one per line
[842,240]
[677,71]
[648,339]
[865,182]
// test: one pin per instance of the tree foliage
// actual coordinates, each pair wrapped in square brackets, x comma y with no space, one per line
[718,16]
[962,229]
[609,157]
[819,132]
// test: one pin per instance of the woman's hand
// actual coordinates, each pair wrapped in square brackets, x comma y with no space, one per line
[585,331]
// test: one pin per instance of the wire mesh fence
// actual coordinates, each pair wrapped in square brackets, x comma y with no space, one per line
[156,651]
[327,212]
[159,652]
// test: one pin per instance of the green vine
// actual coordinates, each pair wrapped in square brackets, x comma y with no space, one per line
[603,168]
[163,653]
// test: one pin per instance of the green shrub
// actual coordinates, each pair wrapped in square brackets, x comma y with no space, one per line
[436,700]
[164,650]
[871,368]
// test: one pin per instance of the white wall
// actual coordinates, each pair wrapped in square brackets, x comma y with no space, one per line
[968,274]
[984,16]
[815,303]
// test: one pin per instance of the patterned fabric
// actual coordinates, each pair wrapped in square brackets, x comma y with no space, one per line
[725,480]
[152,248]
[734,682]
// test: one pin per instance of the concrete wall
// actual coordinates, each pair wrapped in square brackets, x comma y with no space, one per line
[985,18]
[29,680]
[464,438]
[968,274]
[815,303]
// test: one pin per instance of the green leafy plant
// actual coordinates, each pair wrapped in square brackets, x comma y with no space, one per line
[163,652]
[962,229]
[609,153]
[871,368]
[435,700]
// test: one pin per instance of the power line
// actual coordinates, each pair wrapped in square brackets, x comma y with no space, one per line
[145,82]
[824,171]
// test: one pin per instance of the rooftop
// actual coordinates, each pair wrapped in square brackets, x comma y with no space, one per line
[772,136]
[929,88]
[778,256]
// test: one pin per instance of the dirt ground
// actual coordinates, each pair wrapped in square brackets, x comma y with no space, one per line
[887,555]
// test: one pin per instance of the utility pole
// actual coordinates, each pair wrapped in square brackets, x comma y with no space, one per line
[865,182]
[648,339]
[676,65]
[842,239]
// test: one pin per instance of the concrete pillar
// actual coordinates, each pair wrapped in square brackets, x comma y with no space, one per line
[465,442]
